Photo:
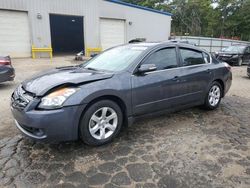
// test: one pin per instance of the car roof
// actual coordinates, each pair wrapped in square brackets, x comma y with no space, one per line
[144,44]
[166,43]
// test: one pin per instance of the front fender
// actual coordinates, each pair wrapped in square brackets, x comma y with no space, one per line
[115,87]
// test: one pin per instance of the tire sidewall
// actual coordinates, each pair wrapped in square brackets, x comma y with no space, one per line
[84,123]
[207,104]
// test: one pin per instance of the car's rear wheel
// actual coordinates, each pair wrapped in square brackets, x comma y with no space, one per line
[214,96]
[101,123]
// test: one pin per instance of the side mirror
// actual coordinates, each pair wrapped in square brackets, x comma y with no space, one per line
[147,68]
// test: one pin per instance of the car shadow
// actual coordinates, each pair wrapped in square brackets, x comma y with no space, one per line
[144,135]
[137,133]
[7,85]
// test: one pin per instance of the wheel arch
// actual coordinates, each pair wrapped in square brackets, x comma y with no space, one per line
[113,98]
[222,85]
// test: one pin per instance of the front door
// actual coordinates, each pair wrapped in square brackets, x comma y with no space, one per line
[157,90]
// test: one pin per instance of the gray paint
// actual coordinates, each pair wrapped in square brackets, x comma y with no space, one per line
[140,94]
[145,24]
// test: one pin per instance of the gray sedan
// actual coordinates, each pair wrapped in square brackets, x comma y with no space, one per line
[94,100]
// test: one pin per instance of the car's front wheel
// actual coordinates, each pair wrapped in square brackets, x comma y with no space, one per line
[101,123]
[214,96]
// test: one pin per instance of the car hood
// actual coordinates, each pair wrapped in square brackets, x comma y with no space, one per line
[229,53]
[73,75]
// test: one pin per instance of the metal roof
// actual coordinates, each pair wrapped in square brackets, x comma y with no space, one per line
[140,7]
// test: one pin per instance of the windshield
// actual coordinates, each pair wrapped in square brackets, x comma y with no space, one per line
[234,49]
[115,59]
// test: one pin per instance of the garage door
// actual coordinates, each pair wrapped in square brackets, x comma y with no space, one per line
[112,32]
[14,34]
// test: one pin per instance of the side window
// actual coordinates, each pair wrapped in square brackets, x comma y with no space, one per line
[206,57]
[163,59]
[191,57]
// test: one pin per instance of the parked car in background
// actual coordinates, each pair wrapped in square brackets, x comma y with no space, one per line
[184,42]
[7,72]
[94,100]
[248,70]
[235,55]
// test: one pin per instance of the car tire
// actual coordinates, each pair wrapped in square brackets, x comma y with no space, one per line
[239,63]
[97,127]
[213,97]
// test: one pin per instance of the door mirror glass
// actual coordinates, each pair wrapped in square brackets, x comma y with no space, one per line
[147,68]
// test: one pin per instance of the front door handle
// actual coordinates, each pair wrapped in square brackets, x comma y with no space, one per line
[209,71]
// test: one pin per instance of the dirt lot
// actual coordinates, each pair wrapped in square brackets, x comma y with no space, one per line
[191,148]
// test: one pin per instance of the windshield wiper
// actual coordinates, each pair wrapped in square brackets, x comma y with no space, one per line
[90,68]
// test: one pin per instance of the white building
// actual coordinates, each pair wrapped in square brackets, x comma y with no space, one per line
[69,26]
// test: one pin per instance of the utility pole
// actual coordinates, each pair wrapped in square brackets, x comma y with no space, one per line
[222,26]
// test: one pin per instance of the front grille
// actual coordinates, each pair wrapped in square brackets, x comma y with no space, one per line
[20,98]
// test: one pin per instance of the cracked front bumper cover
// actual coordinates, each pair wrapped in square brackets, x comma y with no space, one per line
[49,125]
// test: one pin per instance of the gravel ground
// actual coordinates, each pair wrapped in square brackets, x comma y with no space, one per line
[191,148]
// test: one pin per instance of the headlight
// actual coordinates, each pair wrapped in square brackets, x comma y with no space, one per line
[235,56]
[56,98]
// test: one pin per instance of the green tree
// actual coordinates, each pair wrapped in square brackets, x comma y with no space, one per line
[213,18]
[146,3]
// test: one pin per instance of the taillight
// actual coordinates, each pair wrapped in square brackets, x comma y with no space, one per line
[5,61]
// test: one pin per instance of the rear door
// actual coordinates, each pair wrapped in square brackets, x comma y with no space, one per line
[196,74]
[157,90]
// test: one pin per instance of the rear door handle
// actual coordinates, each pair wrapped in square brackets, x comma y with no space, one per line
[176,78]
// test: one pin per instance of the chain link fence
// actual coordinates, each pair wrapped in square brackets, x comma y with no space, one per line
[211,44]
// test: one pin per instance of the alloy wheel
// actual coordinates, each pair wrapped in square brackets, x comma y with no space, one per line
[103,123]
[214,95]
